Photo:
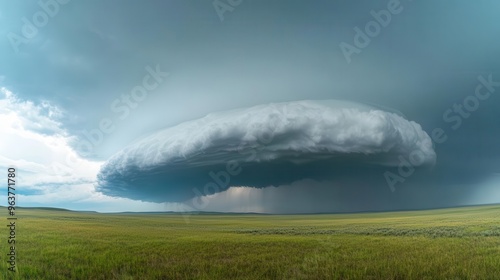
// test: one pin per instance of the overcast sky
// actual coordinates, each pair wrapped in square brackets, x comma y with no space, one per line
[82,80]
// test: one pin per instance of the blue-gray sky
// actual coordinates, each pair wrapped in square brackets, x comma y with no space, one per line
[72,66]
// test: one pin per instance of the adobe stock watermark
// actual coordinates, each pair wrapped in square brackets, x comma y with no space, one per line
[454,116]
[316,259]
[223,6]
[363,37]
[30,28]
[220,180]
[122,107]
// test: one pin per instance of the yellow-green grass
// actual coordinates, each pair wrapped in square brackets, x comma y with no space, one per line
[458,243]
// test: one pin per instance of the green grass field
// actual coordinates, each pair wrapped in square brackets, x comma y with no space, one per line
[458,243]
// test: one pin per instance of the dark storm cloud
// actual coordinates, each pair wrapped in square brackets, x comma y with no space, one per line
[266,145]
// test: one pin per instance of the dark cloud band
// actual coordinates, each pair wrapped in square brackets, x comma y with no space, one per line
[273,144]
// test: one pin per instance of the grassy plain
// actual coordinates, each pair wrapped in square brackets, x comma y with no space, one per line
[457,243]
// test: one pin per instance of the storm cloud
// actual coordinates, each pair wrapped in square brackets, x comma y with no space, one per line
[267,145]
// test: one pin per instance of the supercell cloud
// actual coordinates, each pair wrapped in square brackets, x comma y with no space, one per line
[268,145]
